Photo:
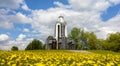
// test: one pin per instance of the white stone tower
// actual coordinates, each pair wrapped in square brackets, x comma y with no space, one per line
[60,40]
[60,30]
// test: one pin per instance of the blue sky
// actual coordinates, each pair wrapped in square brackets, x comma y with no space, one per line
[110,12]
[42,4]
[21,21]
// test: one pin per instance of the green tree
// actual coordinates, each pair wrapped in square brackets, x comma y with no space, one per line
[34,45]
[43,47]
[49,37]
[14,48]
[75,35]
[84,39]
[92,41]
[113,41]
[102,44]
[88,40]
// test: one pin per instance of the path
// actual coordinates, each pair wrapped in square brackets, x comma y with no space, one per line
[82,51]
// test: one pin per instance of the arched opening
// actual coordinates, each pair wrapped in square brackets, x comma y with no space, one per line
[58,31]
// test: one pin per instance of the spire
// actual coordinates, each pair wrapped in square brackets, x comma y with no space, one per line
[61,19]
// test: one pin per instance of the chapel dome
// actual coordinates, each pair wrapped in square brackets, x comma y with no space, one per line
[61,19]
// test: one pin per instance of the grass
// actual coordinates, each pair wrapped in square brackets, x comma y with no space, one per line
[103,52]
[93,51]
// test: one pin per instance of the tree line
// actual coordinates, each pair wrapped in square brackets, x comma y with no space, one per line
[83,40]
[89,41]
[34,45]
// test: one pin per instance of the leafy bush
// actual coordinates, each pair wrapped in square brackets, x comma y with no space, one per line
[14,48]
[34,45]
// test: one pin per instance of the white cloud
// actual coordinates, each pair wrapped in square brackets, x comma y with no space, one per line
[115,19]
[89,5]
[7,21]
[21,37]
[44,21]
[25,30]
[6,25]
[19,18]
[13,4]
[3,37]
[4,11]
[114,1]
[59,4]
[84,14]
[8,16]
[25,7]
[19,42]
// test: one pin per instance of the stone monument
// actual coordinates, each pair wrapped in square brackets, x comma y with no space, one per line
[60,40]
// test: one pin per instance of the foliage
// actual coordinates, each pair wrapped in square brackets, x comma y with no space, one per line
[34,45]
[113,41]
[104,52]
[88,40]
[84,39]
[75,35]
[14,48]
[57,58]
[92,41]
[103,44]
[49,37]
[43,47]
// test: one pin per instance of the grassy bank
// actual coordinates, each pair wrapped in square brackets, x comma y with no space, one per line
[103,52]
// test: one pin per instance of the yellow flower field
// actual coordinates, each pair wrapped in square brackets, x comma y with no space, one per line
[56,58]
